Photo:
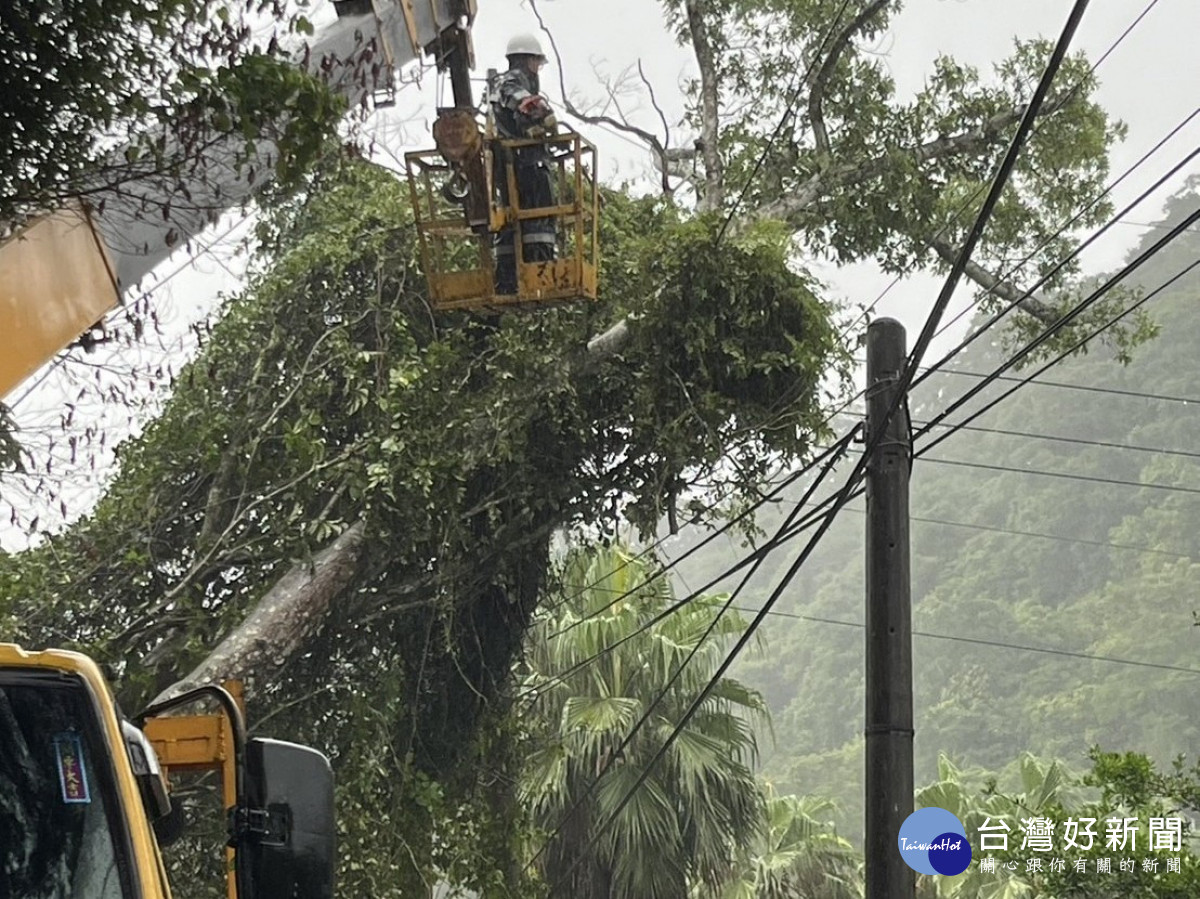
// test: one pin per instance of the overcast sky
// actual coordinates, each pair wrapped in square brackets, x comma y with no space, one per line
[1149,82]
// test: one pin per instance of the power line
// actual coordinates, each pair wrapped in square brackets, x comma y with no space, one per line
[1037,472]
[770,496]
[704,693]
[905,380]
[1086,388]
[1092,71]
[928,245]
[1076,441]
[1020,382]
[1028,348]
[1157,226]
[1040,535]
[675,675]
[979,641]
[857,490]
[1094,236]
[752,559]
[1108,285]
[975,234]
[1116,219]
[1058,266]
[1079,441]
[1124,34]
[1130,547]
[1067,317]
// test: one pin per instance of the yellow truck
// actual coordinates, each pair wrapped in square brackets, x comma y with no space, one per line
[84,797]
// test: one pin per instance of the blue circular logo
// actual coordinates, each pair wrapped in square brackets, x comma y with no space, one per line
[933,841]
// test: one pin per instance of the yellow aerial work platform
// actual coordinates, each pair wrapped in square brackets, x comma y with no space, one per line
[458,215]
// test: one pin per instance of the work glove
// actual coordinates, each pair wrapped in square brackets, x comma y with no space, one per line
[534,107]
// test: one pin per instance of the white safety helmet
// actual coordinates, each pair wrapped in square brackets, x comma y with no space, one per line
[525,45]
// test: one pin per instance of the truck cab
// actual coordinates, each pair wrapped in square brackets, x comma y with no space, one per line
[82,789]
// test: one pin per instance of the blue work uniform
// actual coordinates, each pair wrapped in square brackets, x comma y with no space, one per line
[535,182]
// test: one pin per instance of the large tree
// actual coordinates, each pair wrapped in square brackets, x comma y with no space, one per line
[417,469]
[351,501]
[794,118]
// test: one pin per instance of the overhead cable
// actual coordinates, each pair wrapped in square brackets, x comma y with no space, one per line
[754,558]
[980,641]
[1049,332]
[1057,267]
[678,672]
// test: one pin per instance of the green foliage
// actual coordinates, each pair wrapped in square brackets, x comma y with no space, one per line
[888,176]
[700,801]
[727,333]
[797,854]
[1120,786]
[1111,575]
[88,80]
[326,394]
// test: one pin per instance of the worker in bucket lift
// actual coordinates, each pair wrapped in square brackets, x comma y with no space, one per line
[521,112]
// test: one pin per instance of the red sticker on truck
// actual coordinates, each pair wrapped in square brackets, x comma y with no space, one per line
[71,771]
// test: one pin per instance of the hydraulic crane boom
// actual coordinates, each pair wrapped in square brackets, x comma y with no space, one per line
[61,273]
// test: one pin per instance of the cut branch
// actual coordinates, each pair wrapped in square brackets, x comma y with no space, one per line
[1006,290]
[816,95]
[288,614]
[789,206]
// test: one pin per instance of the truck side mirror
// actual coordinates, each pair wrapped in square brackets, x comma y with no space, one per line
[286,838]
[164,816]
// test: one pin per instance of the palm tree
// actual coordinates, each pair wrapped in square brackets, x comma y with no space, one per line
[1045,787]
[701,805]
[797,856]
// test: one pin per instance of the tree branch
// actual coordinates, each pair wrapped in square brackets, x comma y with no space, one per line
[816,95]
[662,117]
[714,171]
[286,616]
[787,207]
[1006,290]
[651,140]
[216,505]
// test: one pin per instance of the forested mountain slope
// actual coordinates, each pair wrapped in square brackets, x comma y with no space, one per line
[1071,564]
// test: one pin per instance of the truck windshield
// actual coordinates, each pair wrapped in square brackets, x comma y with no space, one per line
[58,816]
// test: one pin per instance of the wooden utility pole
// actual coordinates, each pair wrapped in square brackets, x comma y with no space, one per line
[889,702]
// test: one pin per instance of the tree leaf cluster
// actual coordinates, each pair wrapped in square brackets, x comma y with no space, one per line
[103,93]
